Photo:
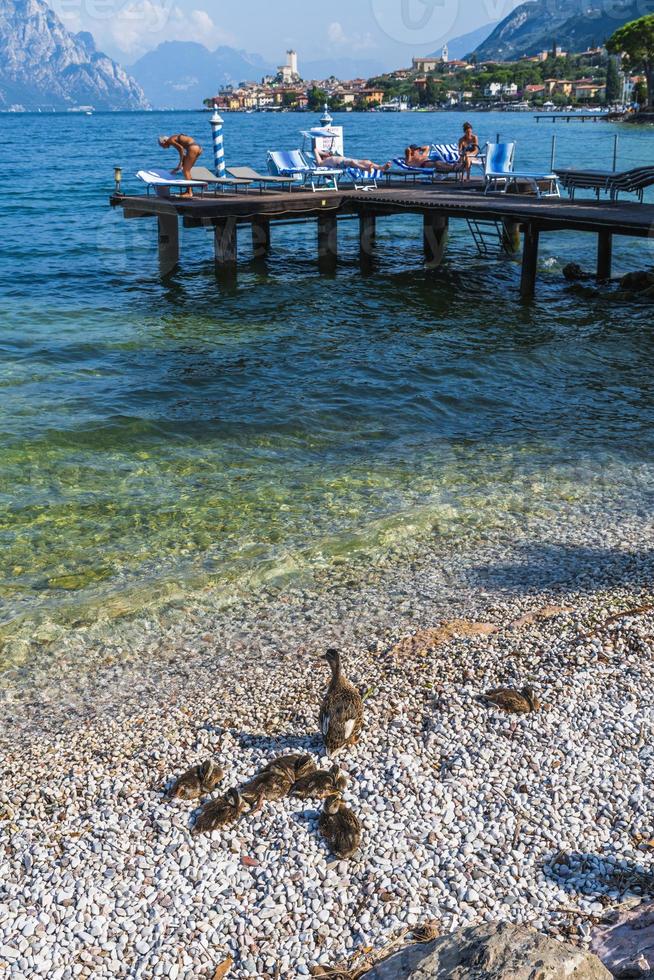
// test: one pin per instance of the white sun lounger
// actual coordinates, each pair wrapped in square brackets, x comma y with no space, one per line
[163,181]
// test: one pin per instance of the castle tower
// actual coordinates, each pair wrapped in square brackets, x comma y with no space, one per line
[291,61]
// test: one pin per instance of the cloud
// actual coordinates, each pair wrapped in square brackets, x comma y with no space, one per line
[134,26]
[337,36]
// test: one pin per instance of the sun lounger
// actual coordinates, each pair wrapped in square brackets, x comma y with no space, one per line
[501,178]
[293,163]
[205,175]
[611,182]
[265,181]
[419,174]
[163,182]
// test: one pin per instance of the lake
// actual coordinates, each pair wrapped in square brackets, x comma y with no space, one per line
[163,439]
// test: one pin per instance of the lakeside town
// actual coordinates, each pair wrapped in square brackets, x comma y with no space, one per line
[550,80]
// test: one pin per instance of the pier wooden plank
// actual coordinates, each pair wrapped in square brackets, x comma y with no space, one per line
[618,217]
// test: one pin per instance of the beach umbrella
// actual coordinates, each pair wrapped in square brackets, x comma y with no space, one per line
[218,146]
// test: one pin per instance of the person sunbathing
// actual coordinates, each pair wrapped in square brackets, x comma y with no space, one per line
[334,160]
[189,150]
[419,156]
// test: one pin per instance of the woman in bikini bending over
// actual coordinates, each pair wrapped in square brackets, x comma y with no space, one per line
[189,150]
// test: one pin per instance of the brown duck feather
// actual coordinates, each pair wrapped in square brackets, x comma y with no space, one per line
[197,781]
[341,713]
[340,827]
[515,702]
[320,784]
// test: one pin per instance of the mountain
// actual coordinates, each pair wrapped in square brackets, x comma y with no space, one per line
[575,25]
[42,65]
[459,47]
[180,74]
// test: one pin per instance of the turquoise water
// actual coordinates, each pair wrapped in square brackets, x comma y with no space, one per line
[164,437]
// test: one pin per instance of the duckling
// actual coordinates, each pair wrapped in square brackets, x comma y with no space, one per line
[515,702]
[320,784]
[272,783]
[219,813]
[341,714]
[340,827]
[297,764]
[198,781]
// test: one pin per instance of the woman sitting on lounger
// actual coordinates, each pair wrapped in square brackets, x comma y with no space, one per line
[189,150]
[468,148]
[336,162]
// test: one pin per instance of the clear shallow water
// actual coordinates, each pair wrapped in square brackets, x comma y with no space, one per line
[159,437]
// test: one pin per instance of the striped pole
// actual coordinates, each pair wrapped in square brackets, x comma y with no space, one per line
[218,146]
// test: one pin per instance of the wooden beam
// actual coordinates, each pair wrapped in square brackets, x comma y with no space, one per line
[224,237]
[168,242]
[604,255]
[435,235]
[260,237]
[529,261]
[327,242]
[367,236]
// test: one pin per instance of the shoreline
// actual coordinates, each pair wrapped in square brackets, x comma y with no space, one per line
[469,816]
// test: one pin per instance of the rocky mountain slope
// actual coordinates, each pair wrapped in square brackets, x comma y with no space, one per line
[42,65]
[574,25]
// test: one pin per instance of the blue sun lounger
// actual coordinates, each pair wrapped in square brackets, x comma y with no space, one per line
[293,163]
[500,177]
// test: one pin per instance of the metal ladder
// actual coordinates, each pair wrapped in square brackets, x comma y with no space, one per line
[488,236]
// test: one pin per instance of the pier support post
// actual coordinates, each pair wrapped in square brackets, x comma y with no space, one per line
[327,242]
[224,237]
[511,236]
[260,237]
[367,234]
[529,261]
[168,242]
[435,235]
[604,255]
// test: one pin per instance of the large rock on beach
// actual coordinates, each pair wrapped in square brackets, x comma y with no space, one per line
[625,943]
[491,952]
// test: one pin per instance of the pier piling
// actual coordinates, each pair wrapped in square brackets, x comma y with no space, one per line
[327,242]
[529,261]
[435,235]
[168,225]
[260,237]
[604,255]
[224,238]
[367,236]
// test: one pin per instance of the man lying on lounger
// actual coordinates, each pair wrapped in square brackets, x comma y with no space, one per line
[336,162]
[419,156]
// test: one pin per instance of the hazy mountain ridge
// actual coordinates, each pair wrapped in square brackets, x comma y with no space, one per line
[180,74]
[574,25]
[44,65]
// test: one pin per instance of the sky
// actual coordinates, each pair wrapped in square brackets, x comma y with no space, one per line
[388,32]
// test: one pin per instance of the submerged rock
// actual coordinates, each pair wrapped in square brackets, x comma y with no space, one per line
[492,952]
[637,282]
[573,272]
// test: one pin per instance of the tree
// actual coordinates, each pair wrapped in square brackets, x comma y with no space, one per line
[635,42]
[613,82]
[317,98]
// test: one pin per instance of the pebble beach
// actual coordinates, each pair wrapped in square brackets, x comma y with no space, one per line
[469,815]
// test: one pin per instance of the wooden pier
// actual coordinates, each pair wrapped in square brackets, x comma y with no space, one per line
[438,204]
